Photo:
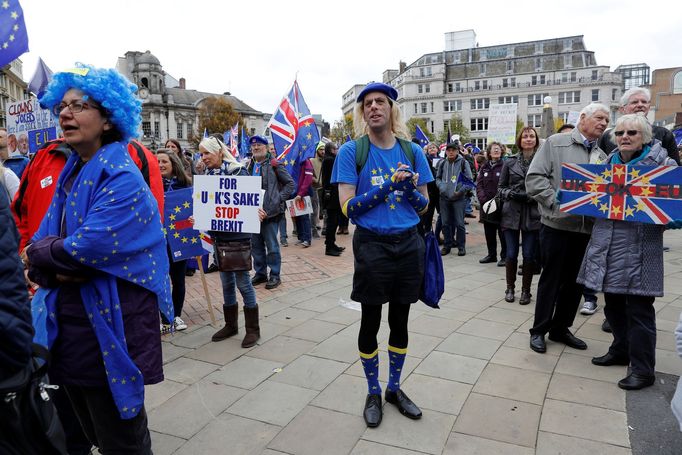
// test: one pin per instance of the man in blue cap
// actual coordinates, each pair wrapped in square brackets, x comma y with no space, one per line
[382,181]
[278,186]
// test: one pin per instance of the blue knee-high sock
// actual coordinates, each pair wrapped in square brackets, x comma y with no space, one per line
[396,357]
[370,363]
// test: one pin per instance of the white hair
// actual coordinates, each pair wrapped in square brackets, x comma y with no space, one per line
[625,99]
[593,108]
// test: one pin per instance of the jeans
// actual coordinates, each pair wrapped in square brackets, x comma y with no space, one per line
[467,208]
[282,226]
[492,231]
[303,229]
[315,200]
[528,238]
[243,282]
[265,249]
[452,214]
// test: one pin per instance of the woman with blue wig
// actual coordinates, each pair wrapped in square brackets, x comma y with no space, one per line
[100,259]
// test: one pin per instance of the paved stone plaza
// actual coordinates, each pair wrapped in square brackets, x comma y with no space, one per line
[301,390]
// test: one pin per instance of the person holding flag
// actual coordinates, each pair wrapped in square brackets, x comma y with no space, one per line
[454,180]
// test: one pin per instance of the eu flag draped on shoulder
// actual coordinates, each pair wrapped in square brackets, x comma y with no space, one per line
[13,34]
[294,132]
[421,137]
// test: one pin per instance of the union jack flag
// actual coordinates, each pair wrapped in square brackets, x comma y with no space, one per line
[647,194]
[294,132]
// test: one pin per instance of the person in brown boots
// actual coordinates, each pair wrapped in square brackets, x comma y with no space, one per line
[520,214]
[219,161]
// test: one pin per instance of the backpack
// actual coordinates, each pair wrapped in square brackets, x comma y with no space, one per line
[362,151]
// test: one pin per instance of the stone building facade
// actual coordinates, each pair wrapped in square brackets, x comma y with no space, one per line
[12,87]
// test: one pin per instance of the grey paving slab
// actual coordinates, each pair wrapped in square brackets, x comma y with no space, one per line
[433,326]
[273,402]
[231,434]
[157,394]
[297,296]
[464,444]
[334,433]
[172,352]
[311,372]
[315,330]
[510,421]
[504,316]
[513,383]
[593,332]
[291,317]
[219,353]
[337,347]
[246,372]
[436,394]
[372,448]
[345,394]
[200,404]
[525,358]
[194,339]
[487,329]
[165,444]
[451,366]
[187,371]
[427,434]
[268,331]
[469,303]
[557,444]
[282,349]
[586,391]
[340,315]
[421,345]
[588,422]
[454,314]
[319,304]
[577,365]
[521,340]
[470,346]
[668,362]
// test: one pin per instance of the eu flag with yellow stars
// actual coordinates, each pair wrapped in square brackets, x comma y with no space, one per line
[13,36]
[183,239]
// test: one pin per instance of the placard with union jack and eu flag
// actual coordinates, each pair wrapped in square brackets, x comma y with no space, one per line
[647,194]
[185,242]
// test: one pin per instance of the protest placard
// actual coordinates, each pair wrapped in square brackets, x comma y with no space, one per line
[647,194]
[303,207]
[502,123]
[227,203]
[27,119]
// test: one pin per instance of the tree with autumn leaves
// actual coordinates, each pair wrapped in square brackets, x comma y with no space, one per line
[216,115]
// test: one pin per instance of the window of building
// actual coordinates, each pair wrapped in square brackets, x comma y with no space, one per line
[425,71]
[564,116]
[427,88]
[509,82]
[481,85]
[452,105]
[479,124]
[595,94]
[508,99]
[480,142]
[423,107]
[157,130]
[450,87]
[480,103]
[482,68]
[458,86]
[568,44]
[252,131]
[595,75]
[147,129]
[510,66]
[538,80]
[677,82]
[416,110]
[190,129]
[568,61]
[179,131]
[431,106]
[614,91]
[569,97]
[420,88]
[534,120]
[539,48]
[569,77]
[536,99]
[538,64]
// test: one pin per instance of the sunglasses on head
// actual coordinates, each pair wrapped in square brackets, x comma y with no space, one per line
[628,132]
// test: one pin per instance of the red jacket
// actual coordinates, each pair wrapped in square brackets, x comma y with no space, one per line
[305,178]
[39,181]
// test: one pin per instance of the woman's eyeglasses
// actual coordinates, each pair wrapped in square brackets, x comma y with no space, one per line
[74,106]
[628,132]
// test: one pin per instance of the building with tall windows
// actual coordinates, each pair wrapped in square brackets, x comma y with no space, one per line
[12,87]
[169,109]
[634,75]
[466,80]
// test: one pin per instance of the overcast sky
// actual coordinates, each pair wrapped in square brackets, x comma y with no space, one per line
[255,48]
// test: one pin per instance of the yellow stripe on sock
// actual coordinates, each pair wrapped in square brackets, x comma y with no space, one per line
[369,356]
[397,350]
[344,207]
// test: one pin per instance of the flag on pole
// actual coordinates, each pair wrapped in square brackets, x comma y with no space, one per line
[421,137]
[205,133]
[40,79]
[294,132]
[185,242]
[348,139]
[244,145]
[13,35]
[234,140]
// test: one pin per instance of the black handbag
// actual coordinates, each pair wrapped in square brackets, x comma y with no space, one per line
[234,256]
[28,419]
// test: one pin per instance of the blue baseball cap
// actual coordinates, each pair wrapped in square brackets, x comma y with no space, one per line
[258,140]
[378,87]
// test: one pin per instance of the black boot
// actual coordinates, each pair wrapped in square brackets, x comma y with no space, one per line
[528,268]
[510,266]
[230,328]
[251,326]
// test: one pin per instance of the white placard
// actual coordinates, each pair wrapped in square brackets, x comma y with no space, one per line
[573,117]
[502,123]
[304,206]
[227,203]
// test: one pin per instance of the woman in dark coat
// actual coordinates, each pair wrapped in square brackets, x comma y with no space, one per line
[330,193]
[486,189]
[520,214]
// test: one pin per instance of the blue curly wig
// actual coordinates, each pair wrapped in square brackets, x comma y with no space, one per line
[108,87]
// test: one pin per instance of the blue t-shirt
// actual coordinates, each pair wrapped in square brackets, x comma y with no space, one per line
[395,214]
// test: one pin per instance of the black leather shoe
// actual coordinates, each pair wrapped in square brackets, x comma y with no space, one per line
[525,297]
[605,326]
[537,344]
[444,251]
[609,359]
[509,295]
[636,381]
[487,260]
[373,412]
[258,279]
[404,404]
[501,263]
[332,252]
[569,340]
[338,248]
[273,282]
[461,252]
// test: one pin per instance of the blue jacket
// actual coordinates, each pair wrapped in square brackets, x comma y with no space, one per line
[16,331]
[17,164]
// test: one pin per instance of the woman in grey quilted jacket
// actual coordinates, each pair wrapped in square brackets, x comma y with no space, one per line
[624,260]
